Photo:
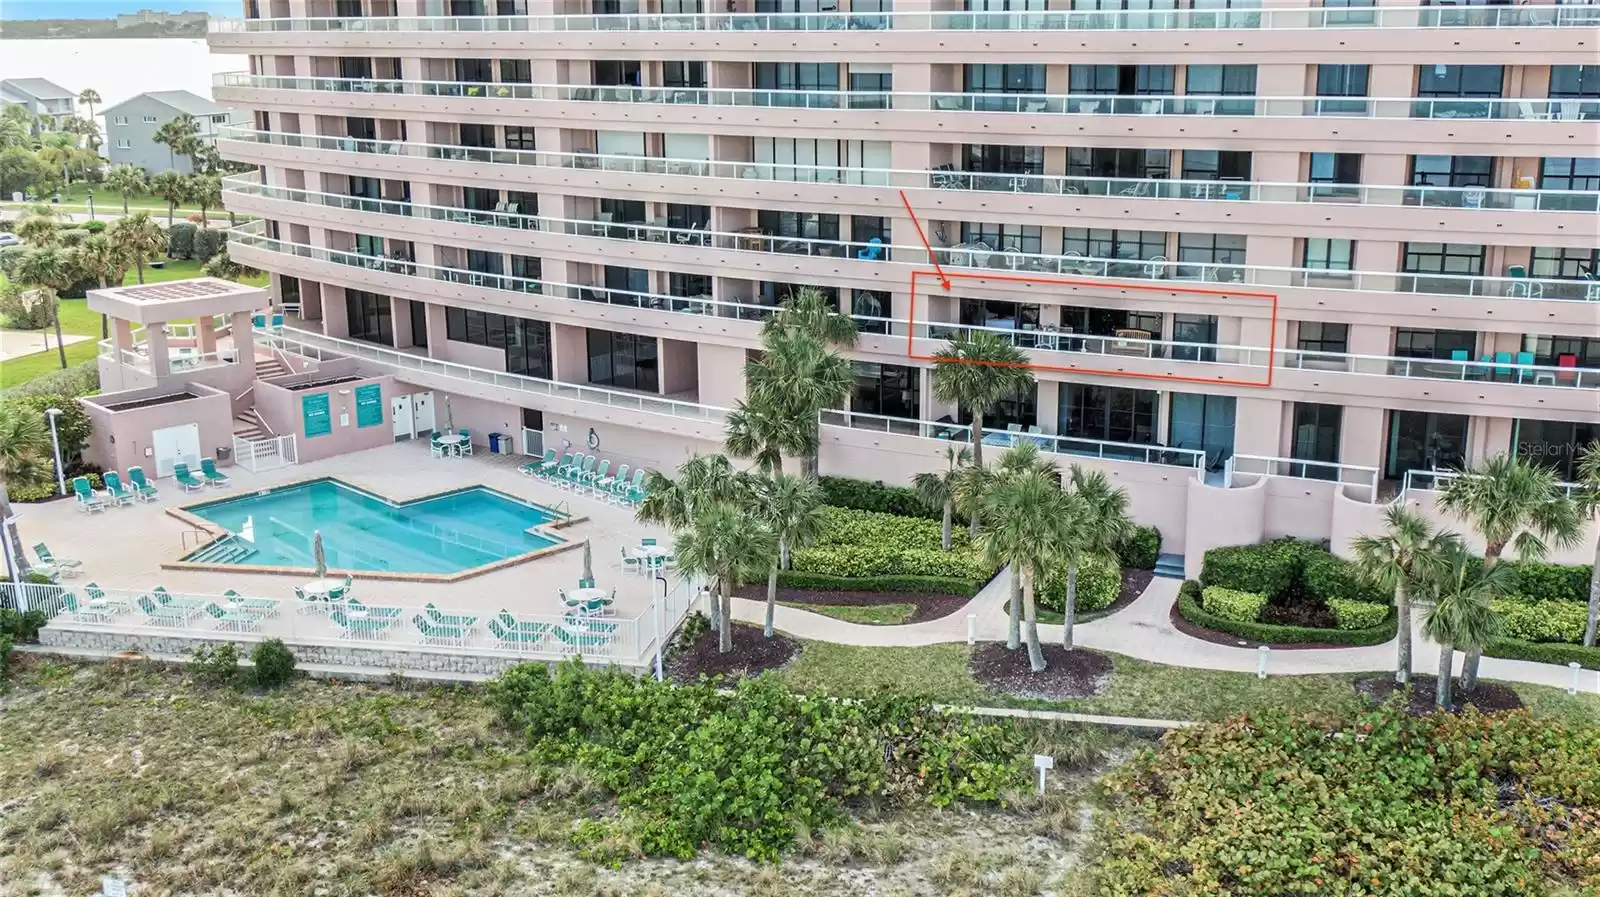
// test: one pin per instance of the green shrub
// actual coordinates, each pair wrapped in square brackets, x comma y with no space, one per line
[1230,604]
[23,309]
[744,770]
[22,627]
[10,256]
[1552,582]
[78,380]
[5,657]
[879,560]
[1189,607]
[860,495]
[206,244]
[1544,652]
[273,662]
[1543,621]
[1140,550]
[95,226]
[215,666]
[1099,585]
[47,488]
[847,527]
[825,582]
[1271,568]
[180,240]
[1357,614]
[72,424]
[1331,578]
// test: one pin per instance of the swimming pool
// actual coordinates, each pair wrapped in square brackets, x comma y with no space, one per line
[441,534]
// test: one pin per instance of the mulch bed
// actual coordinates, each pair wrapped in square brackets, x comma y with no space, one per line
[1134,582]
[928,606]
[1488,698]
[1309,616]
[1068,674]
[1180,623]
[752,654]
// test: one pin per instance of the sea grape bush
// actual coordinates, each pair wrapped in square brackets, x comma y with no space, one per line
[743,770]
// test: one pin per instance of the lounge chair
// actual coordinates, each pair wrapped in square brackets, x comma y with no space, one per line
[163,615]
[568,470]
[580,633]
[82,612]
[237,621]
[116,493]
[187,480]
[588,478]
[63,566]
[261,607]
[97,594]
[533,468]
[141,486]
[632,561]
[606,484]
[208,469]
[456,621]
[635,492]
[438,633]
[359,627]
[510,622]
[548,469]
[516,638]
[373,610]
[166,598]
[87,500]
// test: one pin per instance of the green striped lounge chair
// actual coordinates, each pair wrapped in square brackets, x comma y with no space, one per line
[548,469]
[532,468]
[187,480]
[237,621]
[632,493]
[141,486]
[116,493]
[261,607]
[454,621]
[437,633]
[87,500]
[514,638]
[588,478]
[161,614]
[604,485]
[376,611]
[358,627]
[83,613]
[578,633]
[208,469]
[66,566]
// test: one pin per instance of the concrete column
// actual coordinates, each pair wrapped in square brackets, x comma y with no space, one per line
[1361,436]
[121,336]
[436,331]
[244,344]
[160,363]
[206,332]
[1257,425]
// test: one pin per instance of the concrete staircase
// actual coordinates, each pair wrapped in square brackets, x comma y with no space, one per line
[247,425]
[269,366]
[1169,566]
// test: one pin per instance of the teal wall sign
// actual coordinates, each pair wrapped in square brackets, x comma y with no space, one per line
[314,408]
[369,405]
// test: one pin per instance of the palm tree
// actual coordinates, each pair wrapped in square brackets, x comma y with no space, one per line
[938,490]
[88,97]
[798,375]
[1460,615]
[791,509]
[809,311]
[703,480]
[56,151]
[1406,554]
[1511,502]
[178,134]
[140,236]
[206,191]
[763,433]
[39,231]
[127,180]
[51,269]
[1098,524]
[972,489]
[173,187]
[107,262]
[222,265]
[976,371]
[725,543]
[24,459]
[1024,513]
[1589,503]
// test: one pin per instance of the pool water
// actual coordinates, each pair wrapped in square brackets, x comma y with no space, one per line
[360,531]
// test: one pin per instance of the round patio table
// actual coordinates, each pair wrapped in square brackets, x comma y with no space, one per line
[452,441]
[578,597]
[320,589]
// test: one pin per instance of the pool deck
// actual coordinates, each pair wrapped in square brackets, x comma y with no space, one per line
[125,547]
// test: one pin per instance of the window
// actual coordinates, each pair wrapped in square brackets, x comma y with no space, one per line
[1569,81]
[1565,263]
[629,282]
[1452,171]
[1442,258]
[1336,82]
[1338,13]
[623,211]
[368,245]
[1108,413]
[1204,252]
[688,285]
[419,323]
[474,71]
[999,313]
[1200,332]
[120,120]
[1126,80]
[798,76]
[519,138]
[616,72]
[1128,245]
[1021,409]
[123,143]
[1317,336]
[1424,440]
[149,119]
[1004,78]
[370,317]
[870,304]
[477,135]
[526,343]
[1315,437]
[1101,162]
[360,128]
[1340,169]
[871,90]
[1221,80]
[1204,423]
[623,360]
[1569,173]
[1329,254]
[866,228]
[678,74]
[1004,237]
[1554,444]
[1216,165]
[516,71]
[1107,321]
[998,159]
[1457,91]
[529,268]
[1584,351]
[1409,343]
[795,227]
[891,390]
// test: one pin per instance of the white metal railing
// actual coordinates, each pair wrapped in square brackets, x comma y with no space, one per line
[1203,190]
[1515,369]
[1223,105]
[1362,479]
[382,625]
[1073,447]
[265,454]
[1242,17]
[975,255]
[1432,480]
[179,360]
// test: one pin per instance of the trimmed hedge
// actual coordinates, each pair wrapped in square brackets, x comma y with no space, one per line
[1230,604]
[1141,549]
[1552,582]
[1189,608]
[1270,568]
[1353,615]
[856,544]
[860,495]
[1543,652]
[930,585]
[1332,578]
[1545,621]
[1099,586]
[180,240]
[206,244]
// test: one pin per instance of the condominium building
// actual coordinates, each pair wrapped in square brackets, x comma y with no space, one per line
[1271,263]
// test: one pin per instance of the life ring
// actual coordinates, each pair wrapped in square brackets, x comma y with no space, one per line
[594,439]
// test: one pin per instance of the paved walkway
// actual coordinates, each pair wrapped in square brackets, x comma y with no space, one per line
[1144,630]
[17,343]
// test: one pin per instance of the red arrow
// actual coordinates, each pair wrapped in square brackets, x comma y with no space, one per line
[943,280]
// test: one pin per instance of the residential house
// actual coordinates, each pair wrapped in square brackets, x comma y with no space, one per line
[45,99]
[131,127]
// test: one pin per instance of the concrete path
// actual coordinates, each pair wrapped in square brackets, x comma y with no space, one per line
[17,343]
[1144,630]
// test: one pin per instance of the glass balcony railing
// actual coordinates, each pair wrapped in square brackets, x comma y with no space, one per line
[1238,18]
[965,256]
[947,178]
[1531,108]
[1502,368]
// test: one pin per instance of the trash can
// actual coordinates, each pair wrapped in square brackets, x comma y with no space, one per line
[498,444]
[224,453]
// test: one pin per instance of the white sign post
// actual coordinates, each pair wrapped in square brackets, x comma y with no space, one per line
[111,886]
[1043,762]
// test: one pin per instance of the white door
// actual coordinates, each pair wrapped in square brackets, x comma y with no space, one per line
[400,412]
[422,417]
[174,445]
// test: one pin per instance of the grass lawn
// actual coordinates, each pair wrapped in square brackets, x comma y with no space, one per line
[872,615]
[1136,688]
[108,201]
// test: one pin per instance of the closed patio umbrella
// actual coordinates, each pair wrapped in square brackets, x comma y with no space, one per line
[317,553]
[588,562]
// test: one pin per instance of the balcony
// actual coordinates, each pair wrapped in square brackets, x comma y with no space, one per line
[872,262]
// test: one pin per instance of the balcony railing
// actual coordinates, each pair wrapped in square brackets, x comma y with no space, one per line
[973,256]
[179,360]
[1047,442]
[1363,481]
[947,179]
[1507,371]
[1527,16]
[1530,108]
